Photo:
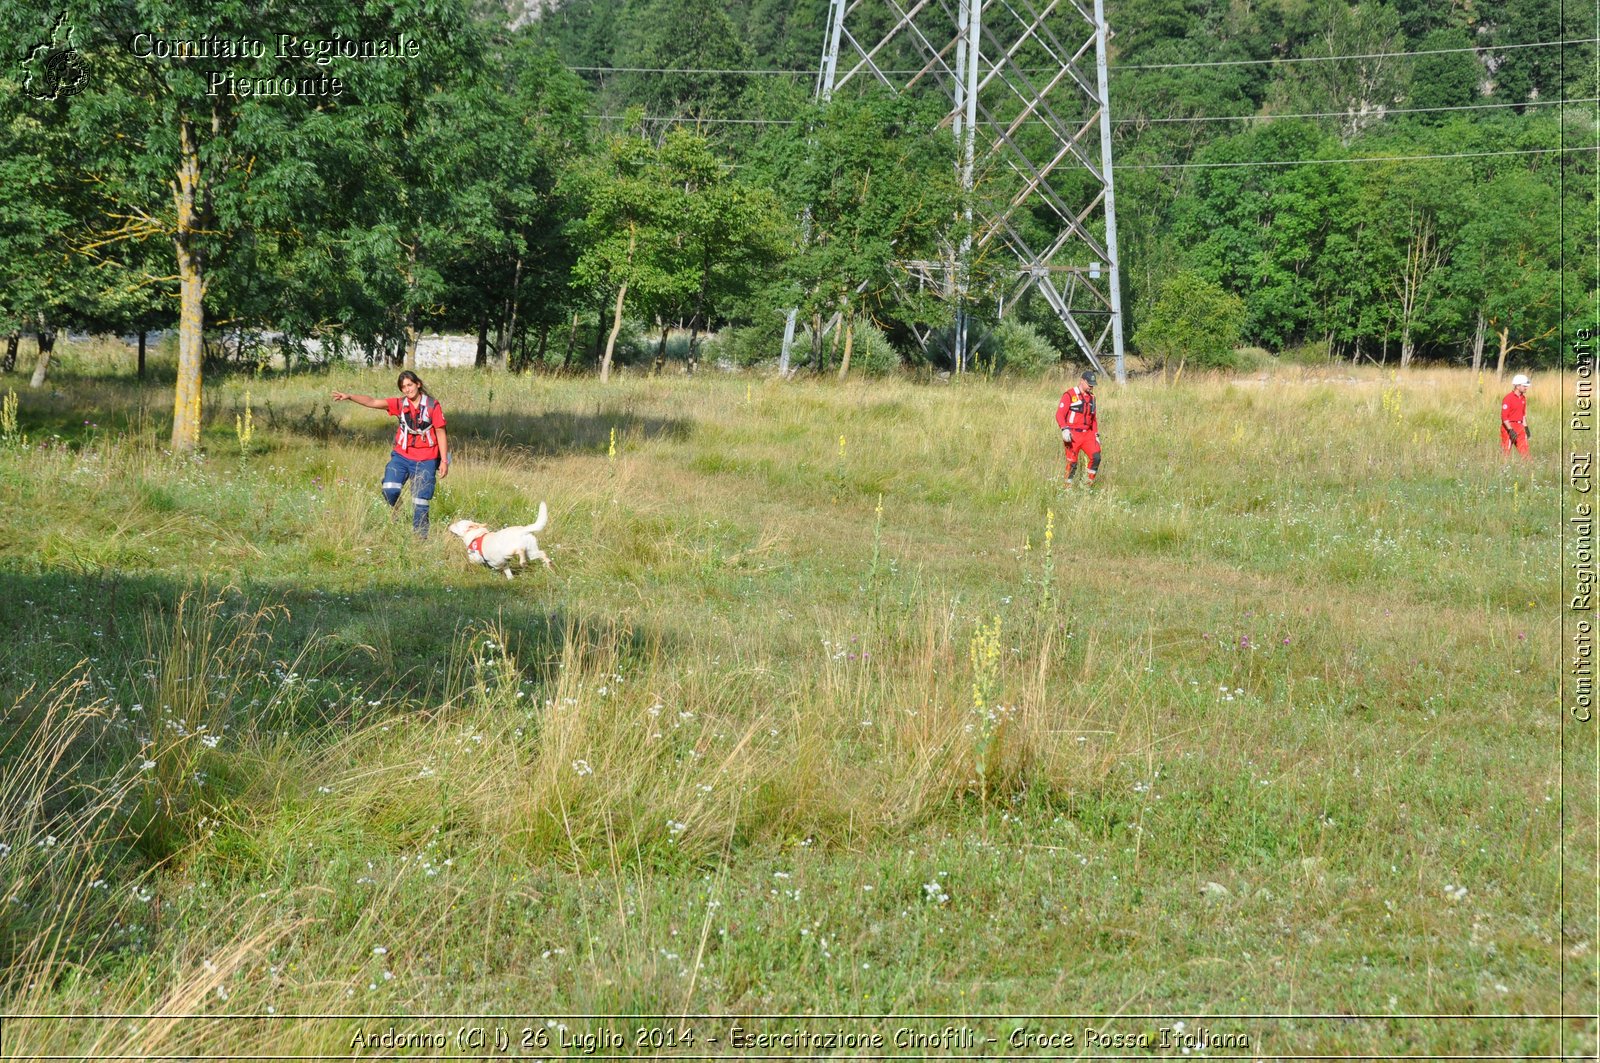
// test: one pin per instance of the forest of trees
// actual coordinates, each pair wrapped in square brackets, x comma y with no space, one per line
[1374,180]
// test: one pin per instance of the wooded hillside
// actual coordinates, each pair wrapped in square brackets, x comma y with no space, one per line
[1374,181]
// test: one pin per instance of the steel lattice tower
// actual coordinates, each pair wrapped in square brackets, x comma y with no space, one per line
[1025,112]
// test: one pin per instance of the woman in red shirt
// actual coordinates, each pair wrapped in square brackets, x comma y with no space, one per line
[421,447]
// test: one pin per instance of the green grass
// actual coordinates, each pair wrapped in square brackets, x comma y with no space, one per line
[1234,739]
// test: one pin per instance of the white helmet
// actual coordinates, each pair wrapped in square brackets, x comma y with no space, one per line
[1520,381]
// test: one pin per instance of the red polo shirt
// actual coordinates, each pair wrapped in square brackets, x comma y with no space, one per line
[1514,408]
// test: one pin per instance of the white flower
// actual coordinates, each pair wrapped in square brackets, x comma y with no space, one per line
[582,767]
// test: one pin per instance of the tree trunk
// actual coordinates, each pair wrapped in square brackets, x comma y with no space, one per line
[661,348]
[616,318]
[538,354]
[409,360]
[816,343]
[599,330]
[47,344]
[142,335]
[849,345]
[191,293]
[572,340]
[611,337]
[833,349]
[1477,345]
[508,333]
[699,314]
[481,359]
[10,363]
[694,336]
[1415,284]
[1505,347]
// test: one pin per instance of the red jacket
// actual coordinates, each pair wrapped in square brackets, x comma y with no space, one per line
[1077,411]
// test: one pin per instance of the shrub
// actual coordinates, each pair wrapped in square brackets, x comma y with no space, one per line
[747,345]
[1194,322]
[871,353]
[1251,359]
[1023,350]
[1306,354]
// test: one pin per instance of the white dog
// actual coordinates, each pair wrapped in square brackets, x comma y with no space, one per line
[497,549]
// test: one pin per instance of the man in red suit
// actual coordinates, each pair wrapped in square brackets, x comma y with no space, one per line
[1514,417]
[1080,426]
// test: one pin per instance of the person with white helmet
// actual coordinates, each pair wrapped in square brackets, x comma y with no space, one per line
[1080,426]
[1514,417]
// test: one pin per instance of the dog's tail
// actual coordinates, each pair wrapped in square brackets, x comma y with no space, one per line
[544,517]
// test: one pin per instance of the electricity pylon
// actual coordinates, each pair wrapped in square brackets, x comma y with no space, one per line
[1024,110]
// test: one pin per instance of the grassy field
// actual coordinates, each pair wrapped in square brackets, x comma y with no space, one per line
[835,702]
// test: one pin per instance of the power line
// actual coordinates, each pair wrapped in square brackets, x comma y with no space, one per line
[1331,58]
[1139,121]
[686,120]
[1340,162]
[1114,69]
[675,70]
[1208,165]
[1347,114]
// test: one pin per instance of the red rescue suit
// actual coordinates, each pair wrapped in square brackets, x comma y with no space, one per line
[1514,415]
[1080,428]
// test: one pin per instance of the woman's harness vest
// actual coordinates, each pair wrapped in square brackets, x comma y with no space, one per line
[416,424]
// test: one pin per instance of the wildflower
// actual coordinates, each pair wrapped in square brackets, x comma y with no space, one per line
[582,767]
